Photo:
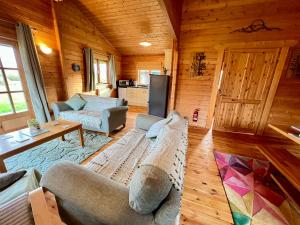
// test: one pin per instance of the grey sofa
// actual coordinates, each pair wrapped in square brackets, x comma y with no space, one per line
[99,193]
[102,114]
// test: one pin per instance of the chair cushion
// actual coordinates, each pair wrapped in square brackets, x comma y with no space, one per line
[156,127]
[28,183]
[89,120]
[76,102]
[148,188]
[7,179]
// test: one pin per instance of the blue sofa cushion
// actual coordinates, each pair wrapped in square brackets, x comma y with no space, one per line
[29,182]
[148,188]
[76,102]
[7,179]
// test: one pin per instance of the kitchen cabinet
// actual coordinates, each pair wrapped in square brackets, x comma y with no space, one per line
[137,96]
[122,93]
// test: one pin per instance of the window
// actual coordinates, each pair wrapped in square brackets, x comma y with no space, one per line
[101,71]
[144,78]
[12,97]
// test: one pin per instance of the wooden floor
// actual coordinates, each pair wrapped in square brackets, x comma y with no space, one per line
[204,200]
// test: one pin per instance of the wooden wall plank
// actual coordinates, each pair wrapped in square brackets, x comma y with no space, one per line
[38,15]
[77,32]
[207,25]
[131,63]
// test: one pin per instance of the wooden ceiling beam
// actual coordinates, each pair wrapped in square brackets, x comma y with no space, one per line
[172,9]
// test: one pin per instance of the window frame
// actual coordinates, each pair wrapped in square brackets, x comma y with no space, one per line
[14,114]
[149,72]
[97,73]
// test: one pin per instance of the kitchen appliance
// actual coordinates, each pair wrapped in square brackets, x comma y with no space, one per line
[124,83]
[158,95]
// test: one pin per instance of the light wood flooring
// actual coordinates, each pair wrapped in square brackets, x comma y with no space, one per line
[204,200]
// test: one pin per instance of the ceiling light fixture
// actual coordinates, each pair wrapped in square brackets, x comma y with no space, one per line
[145,44]
[45,49]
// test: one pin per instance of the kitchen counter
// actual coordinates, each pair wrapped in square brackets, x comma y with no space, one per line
[136,96]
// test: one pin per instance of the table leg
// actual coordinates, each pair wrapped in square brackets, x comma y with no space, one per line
[2,166]
[63,138]
[81,136]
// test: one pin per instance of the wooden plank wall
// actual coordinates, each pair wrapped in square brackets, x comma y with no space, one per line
[131,63]
[208,24]
[36,13]
[77,32]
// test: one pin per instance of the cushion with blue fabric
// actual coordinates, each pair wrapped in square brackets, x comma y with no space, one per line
[29,182]
[7,179]
[76,102]
[148,188]
[156,127]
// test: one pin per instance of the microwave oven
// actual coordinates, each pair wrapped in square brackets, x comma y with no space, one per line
[124,83]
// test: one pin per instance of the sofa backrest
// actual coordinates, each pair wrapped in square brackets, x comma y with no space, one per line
[97,104]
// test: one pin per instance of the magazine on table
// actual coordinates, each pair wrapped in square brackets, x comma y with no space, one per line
[33,132]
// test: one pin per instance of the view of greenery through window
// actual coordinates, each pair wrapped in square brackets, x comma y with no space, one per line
[12,98]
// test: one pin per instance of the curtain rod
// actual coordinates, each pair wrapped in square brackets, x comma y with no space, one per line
[98,51]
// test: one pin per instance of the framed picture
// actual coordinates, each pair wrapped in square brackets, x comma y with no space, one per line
[294,65]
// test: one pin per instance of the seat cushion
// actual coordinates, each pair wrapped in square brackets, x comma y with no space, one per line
[76,102]
[148,188]
[89,120]
[16,212]
[28,183]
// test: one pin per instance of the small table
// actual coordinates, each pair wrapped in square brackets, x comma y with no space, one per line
[9,147]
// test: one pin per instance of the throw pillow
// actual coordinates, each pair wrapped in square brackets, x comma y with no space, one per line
[76,102]
[7,179]
[148,188]
[156,127]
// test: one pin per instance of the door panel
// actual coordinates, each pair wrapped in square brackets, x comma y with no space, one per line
[246,80]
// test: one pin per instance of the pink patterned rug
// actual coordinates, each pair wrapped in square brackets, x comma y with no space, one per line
[253,197]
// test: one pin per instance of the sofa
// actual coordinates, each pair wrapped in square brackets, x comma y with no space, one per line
[116,187]
[102,114]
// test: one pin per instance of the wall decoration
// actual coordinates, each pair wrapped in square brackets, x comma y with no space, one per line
[256,26]
[75,67]
[294,65]
[198,66]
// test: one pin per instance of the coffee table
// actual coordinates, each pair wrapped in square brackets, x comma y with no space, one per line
[10,147]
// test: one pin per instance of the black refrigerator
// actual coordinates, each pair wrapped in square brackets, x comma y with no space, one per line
[158,95]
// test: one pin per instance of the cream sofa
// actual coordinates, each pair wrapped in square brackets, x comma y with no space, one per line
[99,193]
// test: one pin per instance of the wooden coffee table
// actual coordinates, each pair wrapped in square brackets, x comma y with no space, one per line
[10,147]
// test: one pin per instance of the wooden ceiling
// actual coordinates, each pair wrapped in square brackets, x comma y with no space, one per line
[126,23]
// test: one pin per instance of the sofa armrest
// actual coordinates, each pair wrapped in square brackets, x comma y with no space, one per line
[114,112]
[85,197]
[58,107]
[144,122]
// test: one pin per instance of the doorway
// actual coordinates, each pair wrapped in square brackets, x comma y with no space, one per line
[245,81]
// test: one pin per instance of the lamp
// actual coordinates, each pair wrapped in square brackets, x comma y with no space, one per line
[145,44]
[45,49]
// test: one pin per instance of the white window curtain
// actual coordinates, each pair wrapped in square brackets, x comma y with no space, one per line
[33,73]
[113,71]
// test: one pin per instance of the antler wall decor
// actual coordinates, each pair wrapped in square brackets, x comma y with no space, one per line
[198,65]
[255,26]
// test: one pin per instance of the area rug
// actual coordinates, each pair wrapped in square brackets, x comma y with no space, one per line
[253,196]
[44,156]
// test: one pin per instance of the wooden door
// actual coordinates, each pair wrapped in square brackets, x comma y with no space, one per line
[245,83]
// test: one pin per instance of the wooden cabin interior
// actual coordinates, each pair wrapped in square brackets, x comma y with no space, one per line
[229,68]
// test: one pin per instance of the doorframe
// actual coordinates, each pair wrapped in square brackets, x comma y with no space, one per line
[284,49]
